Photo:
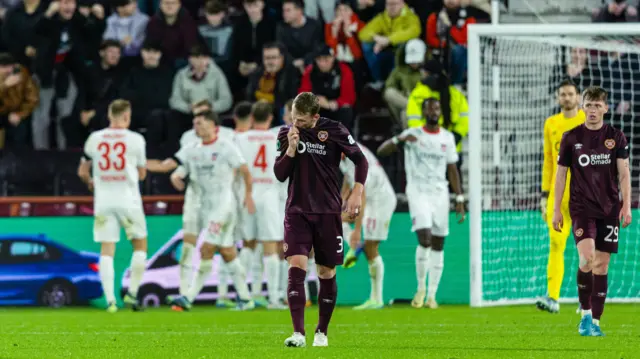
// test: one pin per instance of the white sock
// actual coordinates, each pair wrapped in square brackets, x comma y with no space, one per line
[186,271]
[422,267]
[284,278]
[204,271]
[237,273]
[376,272]
[138,264]
[436,262]
[257,271]
[246,256]
[106,278]
[272,267]
[596,321]
[585,312]
[223,281]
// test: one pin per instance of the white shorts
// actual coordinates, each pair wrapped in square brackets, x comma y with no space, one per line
[430,211]
[267,224]
[377,217]
[107,224]
[220,227]
[190,209]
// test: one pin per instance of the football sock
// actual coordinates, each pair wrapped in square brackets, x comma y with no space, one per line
[256,272]
[237,273]
[555,264]
[296,298]
[107,277]
[138,263]
[201,277]
[284,278]
[246,257]
[223,281]
[326,303]
[422,267]
[585,288]
[599,295]
[272,267]
[436,264]
[186,260]
[312,269]
[376,272]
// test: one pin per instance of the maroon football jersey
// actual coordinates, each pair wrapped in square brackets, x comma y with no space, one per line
[592,158]
[314,185]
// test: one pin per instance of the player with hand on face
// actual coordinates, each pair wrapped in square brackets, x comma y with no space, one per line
[310,154]
[374,218]
[210,167]
[554,127]
[598,156]
[116,156]
[430,155]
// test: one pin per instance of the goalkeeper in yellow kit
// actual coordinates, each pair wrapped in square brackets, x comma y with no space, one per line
[554,127]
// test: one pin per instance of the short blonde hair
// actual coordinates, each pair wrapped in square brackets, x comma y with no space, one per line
[119,107]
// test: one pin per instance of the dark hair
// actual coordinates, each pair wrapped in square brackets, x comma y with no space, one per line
[110,43]
[426,101]
[595,93]
[250,1]
[297,3]
[307,103]
[6,59]
[215,7]
[274,45]
[261,111]
[242,110]
[198,51]
[210,116]
[121,3]
[202,103]
[343,2]
[568,82]
[151,45]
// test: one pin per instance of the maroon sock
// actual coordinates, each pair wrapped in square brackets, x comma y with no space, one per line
[326,303]
[585,287]
[296,298]
[599,295]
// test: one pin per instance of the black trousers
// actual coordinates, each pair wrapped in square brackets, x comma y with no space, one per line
[16,137]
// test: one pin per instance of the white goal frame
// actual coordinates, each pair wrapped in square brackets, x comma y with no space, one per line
[475,32]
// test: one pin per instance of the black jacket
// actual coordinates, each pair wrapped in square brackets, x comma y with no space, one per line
[249,40]
[301,43]
[18,31]
[148,89]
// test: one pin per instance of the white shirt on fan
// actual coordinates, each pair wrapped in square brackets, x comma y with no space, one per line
[377,188]
[427,158]
[116,154]
[210,167]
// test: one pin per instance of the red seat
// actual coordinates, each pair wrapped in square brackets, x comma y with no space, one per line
[175,208]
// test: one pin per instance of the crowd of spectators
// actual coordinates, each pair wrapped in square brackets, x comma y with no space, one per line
[62,62]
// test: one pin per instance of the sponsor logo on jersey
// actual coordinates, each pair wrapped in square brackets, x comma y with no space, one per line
[578,146]
[323,135]
[214,156]
[443,147]
[314,148]
[594,160]
[579,232]
[351,140]
[610,143]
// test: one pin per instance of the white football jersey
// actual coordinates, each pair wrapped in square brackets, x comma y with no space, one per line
[191,137]
[211,168]
[427,158]
[377,187]
[260,150]
[284,186]
[116,154]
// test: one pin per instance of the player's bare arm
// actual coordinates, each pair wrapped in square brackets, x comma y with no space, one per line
[356,236]
[344,193]
[624,177]
[454,180]
[164,166]
[177,180]
[393,144]
[248,183]
[354,202]
[561,180]
[84,172]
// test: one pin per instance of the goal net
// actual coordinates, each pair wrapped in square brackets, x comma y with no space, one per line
[514,71]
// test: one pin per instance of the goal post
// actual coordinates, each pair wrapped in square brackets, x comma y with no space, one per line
[513,70]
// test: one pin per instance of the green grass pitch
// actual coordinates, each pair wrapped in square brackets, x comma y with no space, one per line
[396,332]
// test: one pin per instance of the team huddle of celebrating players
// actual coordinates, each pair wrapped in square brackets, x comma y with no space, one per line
[291,200]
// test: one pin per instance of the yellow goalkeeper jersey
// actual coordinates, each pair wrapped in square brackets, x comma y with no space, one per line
[554,127]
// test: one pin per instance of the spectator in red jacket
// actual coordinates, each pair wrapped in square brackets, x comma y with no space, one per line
[333,82]
[448,29]
[175,29]
[342,36]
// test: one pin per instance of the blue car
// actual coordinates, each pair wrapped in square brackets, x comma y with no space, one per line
[35,270]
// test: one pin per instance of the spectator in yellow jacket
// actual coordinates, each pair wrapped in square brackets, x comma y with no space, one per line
[454,104]
[395,26]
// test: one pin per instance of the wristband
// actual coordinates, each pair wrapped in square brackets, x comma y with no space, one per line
[460,198]
[395,140]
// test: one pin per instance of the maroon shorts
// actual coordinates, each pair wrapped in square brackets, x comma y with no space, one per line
[603,231]
[322,232]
